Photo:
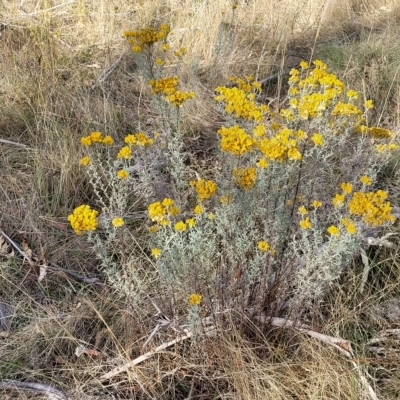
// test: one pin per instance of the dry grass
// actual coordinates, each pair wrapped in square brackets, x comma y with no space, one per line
[52,53]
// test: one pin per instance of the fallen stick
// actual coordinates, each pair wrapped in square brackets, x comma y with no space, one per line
[138,360]
[52,392]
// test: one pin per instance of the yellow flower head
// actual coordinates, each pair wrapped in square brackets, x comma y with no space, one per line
[167,202]
[130,139]
[108,140]
[352,94]
[117,222]
[157,211]
[369,104]
[302,210]
[318,139]
[304,64]
[122,174]
[305,223]
[262,163]
[173,210]
[195,299]
[125,152]
[85,160]
[349,225]
[316,204]
[198,209]
[226,199]
[191,222]
[263,245]
[245,177]
[83,218]
[155,252]
[347,187]
[180,226]
[366,180]
[338,200]
[205,189]
[333,230]
[143,140]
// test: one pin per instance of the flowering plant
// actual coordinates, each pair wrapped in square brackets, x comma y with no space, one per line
[288,206]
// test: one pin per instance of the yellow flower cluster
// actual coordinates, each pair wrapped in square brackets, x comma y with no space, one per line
[117,222]
[180,52]
[178,97]
[318,139]
[345,109]
[205,189]
[180,226]
[338,200]
[247,85]
[165,86]
[281,146]
[383,147]
[161,211]
[366,180]
[85,160]
[83,218]
[155,252]
[122,174]
[240,103]
[371,207]
[235,140]
[146,36]
[226,199]
[96,137]
[315,93]
[143,140]
[195,299]
[245,177]
[380,133]
[263,245]
[305,223]
[125,152]
[333,230]
[168,88]
[349,225]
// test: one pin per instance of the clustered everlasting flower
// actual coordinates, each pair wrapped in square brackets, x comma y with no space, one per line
[139,139]
[96,137]
[235,140]
[372,207]
[145,37]
[83,218]
[282,146]
[305,223]
[117,222]
[195,299]
[245,177]
[168,88]
[263,245]
[161,211]
[204,189]
[85,160]
[155,252]
[241,104]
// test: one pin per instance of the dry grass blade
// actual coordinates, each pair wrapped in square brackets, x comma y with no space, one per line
[344,346]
